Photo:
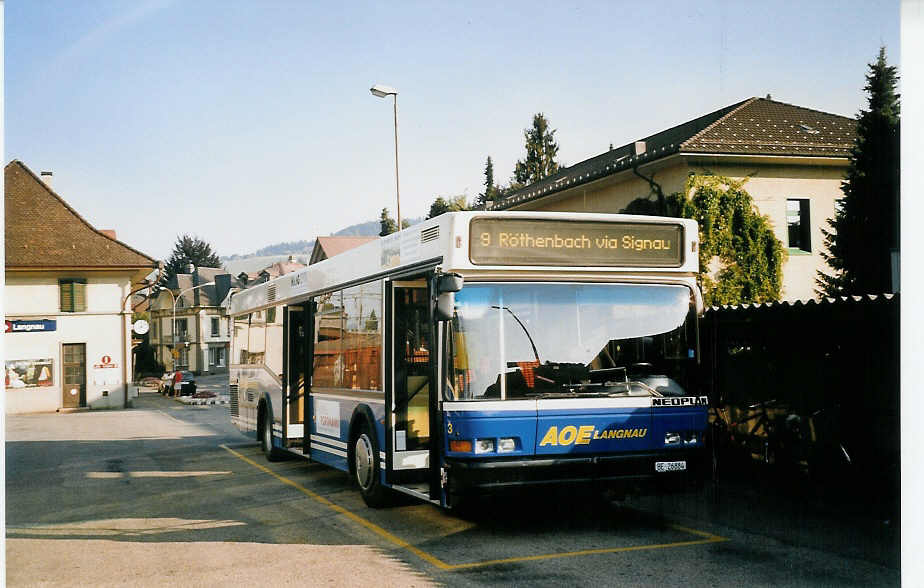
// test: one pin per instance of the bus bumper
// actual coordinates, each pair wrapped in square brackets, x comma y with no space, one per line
[629,473]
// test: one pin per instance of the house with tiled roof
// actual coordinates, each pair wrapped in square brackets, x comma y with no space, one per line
[192,306]
[67,302]
[793,159]
[327,247]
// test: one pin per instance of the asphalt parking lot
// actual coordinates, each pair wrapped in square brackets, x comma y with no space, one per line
[169,493]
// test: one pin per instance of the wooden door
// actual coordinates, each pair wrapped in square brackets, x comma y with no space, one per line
[74,389]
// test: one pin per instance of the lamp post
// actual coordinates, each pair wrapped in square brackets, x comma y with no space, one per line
[176,299]
[381,92]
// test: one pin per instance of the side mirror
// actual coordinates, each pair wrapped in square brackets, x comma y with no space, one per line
[446,287]
[449,283]
[445,305]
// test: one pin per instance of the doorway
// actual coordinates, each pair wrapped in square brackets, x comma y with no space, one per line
[411,370]
[74,390]
[297,347]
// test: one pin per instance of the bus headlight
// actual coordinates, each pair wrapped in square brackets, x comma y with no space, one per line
[484,445]
[506,445]
[682,438]
[672,438]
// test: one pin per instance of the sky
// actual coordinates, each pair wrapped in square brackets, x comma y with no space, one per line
[251,123]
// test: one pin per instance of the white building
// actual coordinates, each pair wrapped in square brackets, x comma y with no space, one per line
[68,320]
[193,302]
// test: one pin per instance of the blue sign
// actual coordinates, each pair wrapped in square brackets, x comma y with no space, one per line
[41,326]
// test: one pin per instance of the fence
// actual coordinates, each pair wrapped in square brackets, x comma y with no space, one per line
[805,384]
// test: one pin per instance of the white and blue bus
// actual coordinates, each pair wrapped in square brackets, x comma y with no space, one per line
[482,352]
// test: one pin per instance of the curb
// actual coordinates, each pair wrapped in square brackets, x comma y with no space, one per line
[203,401]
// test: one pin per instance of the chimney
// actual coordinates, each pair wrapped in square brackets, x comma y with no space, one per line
[222,287]
[109,233]
[46,177]
[195,282]
[638,148]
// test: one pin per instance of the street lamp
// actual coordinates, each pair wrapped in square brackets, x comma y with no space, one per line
[381,92]
[176,298]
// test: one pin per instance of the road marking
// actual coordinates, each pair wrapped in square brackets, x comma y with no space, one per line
[435,561]
[152,474]
[339,509]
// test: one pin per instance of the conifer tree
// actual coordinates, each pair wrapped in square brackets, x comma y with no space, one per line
[541,150]
[490,188]
[189,250]
[387,224]
[864,232]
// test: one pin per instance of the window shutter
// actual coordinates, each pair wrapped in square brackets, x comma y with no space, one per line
[80,296]
[73,295]
[67,297]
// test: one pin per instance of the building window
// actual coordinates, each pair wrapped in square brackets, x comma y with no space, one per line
[217,356]
[181,329]
[215,327]
[154,336]
[798,224]
[73,294]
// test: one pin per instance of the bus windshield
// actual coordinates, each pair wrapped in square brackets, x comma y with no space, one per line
[515,341]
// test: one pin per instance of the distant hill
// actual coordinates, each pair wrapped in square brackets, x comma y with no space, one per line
[280,251]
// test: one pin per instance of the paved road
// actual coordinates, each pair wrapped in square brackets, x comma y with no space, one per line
[168,493]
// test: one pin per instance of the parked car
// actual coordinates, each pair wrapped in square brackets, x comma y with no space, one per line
[180,383]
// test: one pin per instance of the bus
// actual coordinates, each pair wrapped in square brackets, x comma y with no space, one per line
[482,352]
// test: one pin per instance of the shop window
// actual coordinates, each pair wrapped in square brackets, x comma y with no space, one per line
[73,294]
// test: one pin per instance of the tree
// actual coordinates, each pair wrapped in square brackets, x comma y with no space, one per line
[740,258]
[454,204]
[864,232]
[189,250]
[490,188]
[541,150]
[387,224]
[438,207]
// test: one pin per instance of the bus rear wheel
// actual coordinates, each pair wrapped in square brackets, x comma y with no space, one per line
[365,467]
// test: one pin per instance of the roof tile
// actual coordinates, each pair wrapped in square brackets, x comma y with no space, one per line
[42,230]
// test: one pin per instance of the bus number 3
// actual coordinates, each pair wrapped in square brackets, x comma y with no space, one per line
[449,429]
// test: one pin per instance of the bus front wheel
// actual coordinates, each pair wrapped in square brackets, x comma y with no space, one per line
[365,456]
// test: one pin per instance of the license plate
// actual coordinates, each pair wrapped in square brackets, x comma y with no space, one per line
[670,466]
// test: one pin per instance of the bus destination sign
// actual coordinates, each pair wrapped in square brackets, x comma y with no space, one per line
[501,241]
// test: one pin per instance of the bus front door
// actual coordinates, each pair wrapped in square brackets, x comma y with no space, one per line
[408,424]
[297,347]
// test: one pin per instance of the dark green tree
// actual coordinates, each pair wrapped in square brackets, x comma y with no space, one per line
[189,250]
[541,150]
[386,224]
[439,206]
[490,188]
[864,232]
[453,204]
[740,258]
